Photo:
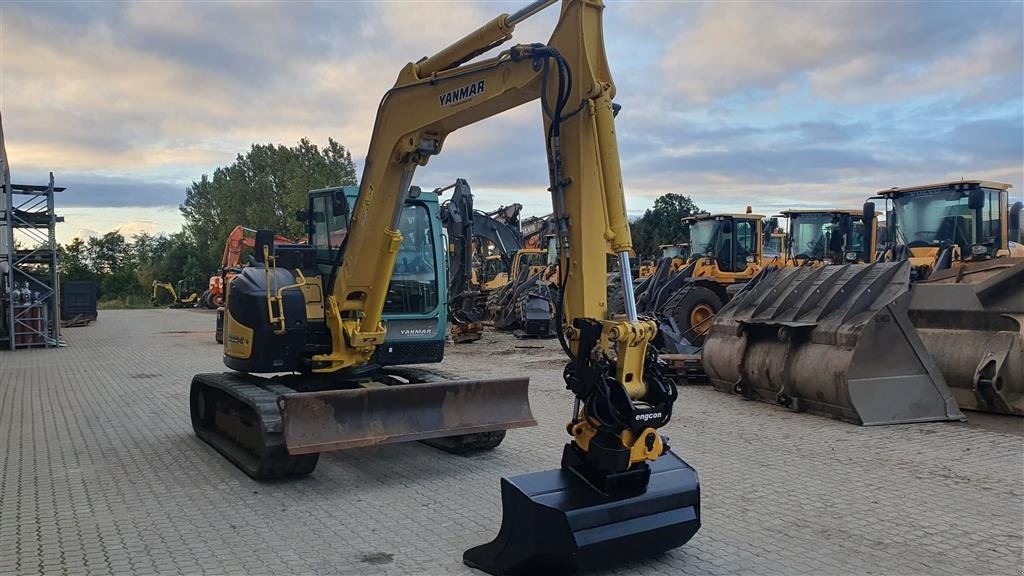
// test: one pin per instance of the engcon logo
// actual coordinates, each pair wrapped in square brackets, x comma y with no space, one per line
[460,95]
[238,340]
[648,416]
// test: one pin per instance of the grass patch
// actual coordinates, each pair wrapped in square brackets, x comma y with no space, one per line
[125,303]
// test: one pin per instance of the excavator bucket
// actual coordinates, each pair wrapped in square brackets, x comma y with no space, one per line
[835,340]
[553,522]
[971,320]
[352,418]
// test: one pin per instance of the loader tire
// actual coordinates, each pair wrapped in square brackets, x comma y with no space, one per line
[693,308]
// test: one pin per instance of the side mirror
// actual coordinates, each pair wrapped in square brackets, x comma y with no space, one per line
[340,203]
[835,240]
[302,216]
[869,213]
[1014,222]
[976,199]
[264,238]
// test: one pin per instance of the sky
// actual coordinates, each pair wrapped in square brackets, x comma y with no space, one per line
[772,105]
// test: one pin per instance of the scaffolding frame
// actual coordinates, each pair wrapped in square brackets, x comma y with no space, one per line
[28,247]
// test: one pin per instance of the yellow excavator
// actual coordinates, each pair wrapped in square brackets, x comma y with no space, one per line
[184,295]
[620,493]
[935,325]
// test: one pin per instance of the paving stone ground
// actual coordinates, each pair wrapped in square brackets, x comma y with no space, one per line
[100,474]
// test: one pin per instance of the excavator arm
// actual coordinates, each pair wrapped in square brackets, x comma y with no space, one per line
[438,95]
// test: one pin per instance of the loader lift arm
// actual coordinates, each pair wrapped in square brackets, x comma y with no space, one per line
[620,398]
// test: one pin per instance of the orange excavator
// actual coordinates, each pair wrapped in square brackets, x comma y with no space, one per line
[239,238]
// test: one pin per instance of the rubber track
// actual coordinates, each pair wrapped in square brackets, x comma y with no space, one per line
[271,459]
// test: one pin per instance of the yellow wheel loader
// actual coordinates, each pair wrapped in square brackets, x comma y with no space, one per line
[935,325]
[962,241]
[726,251]
[620,493]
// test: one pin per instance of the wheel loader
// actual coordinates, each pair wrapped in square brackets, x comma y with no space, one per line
[726,250]
[935,325]
[620,493]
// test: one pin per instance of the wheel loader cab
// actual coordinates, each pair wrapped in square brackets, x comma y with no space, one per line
[826,237]
[725,247]
[936,225]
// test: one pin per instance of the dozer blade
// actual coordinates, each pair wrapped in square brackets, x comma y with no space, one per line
[555,523]
[342,419]
[835,340]
[971,319]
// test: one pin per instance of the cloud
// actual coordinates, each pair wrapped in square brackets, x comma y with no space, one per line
[134,228]
[111,191]
[848,52]
[84,234]
[787,104]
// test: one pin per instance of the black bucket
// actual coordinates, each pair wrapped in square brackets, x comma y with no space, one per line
[555,523]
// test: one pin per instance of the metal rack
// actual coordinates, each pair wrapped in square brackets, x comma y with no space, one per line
[28,258]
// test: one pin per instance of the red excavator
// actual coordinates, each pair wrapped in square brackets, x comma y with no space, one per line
[230,263]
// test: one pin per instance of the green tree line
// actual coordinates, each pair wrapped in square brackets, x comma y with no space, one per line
[261,189]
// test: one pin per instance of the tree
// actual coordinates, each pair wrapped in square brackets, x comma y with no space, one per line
[74,261]
[662,224]
[262,189]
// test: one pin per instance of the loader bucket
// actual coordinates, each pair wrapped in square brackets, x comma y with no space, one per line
[555,523]
[834,340]
[971,320]
[342,419]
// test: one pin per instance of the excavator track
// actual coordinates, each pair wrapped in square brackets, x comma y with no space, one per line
[240,416]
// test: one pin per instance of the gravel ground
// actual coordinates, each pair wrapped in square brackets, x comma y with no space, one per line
[100,473]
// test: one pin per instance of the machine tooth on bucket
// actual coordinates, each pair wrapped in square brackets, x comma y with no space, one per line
[835,340]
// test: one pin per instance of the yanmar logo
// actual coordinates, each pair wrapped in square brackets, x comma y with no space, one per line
[460,95]
[416,331]
[648,416]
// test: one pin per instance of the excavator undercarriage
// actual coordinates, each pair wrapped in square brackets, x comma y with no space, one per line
[272,427]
